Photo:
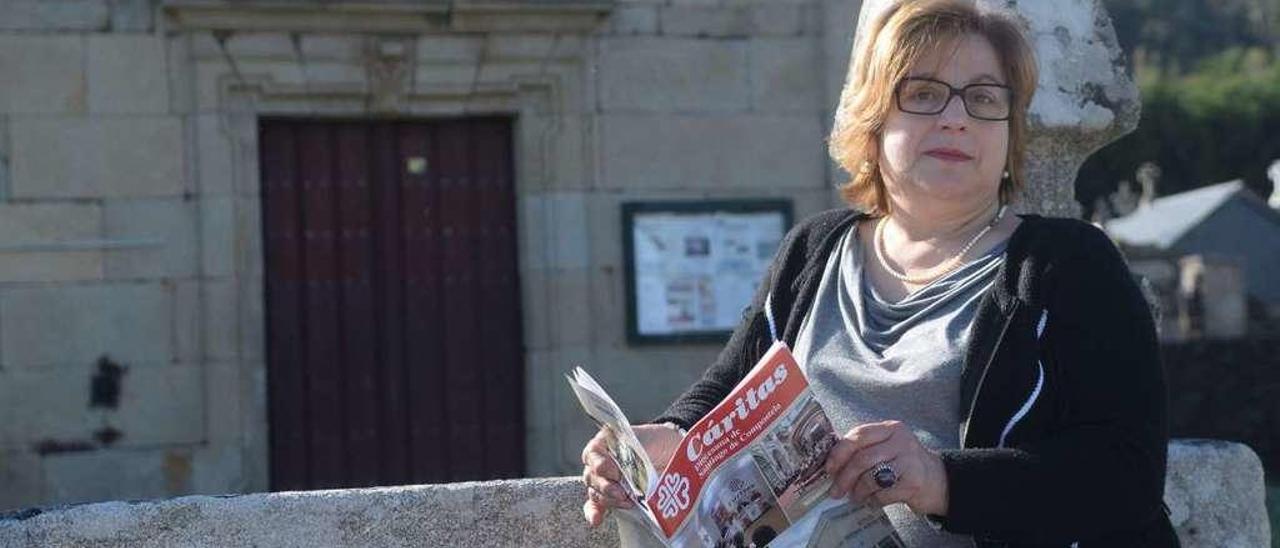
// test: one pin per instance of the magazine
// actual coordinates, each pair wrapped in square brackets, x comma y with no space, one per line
[752,468]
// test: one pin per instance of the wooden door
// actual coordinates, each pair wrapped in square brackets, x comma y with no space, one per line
[394,351]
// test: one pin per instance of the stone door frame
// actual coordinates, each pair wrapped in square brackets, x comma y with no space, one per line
[532,65]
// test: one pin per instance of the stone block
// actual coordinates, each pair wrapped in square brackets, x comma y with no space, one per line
[328,74]
[332,47]
[215,161]
[218,469]
[572,165]
[97,158]
[161,234]
[261,45]
[1215,491]
[604,225]
[218,236]
[634,20]
[55,266]
[219,310]
[223,389]
[79,477]
[706,21]
[4,159]
[22,476]
[180,76]
[505,72]
[573,47]
[733,20]
[247,232]
[778,19]
[208,76]
[256,441]
[837,30]
[761,152]
[553,228]
[203,45]
[44,74]
[813,21]
[252,346]
[520,47]
[127,74]
[557,427]
[130,322]
[609,303]
[557,309]
[39,407]
[187,315]
[785,75]
[466,48]
[653,74]
[278,72]
[160,406]
[695,2]
[63,15]
[536,329]
[445,77]
[554,152]
[30,235]
[132,15]
[241,130]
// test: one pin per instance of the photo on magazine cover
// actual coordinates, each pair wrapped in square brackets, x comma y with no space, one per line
[792,453]
[737,509]
[843,525]
[629,463]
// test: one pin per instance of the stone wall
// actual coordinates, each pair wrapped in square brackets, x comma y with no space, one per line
[109,252]
[129,213]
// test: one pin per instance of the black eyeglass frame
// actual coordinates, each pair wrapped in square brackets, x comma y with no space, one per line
[952,92]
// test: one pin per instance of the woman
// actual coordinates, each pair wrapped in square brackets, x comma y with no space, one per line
[997,375]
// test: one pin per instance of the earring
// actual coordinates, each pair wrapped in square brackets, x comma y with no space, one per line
[865,168]
[1006,174]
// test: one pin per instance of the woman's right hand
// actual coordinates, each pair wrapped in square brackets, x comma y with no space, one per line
[601,474]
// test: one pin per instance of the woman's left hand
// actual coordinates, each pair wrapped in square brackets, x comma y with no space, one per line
[921,479]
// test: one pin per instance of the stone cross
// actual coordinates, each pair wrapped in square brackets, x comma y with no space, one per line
[1085,99]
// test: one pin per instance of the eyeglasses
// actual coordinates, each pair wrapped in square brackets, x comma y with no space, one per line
[990,102]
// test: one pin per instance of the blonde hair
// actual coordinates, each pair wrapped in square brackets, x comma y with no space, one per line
[896,41]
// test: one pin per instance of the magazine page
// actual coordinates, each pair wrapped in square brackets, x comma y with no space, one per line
[636,467]
[754,466]
[638,473]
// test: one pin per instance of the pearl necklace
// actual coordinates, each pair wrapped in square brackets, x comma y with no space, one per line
[944,268]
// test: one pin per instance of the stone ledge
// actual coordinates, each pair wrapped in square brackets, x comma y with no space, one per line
[1214,490]
[526,512]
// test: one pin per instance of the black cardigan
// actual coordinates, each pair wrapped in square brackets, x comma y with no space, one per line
[1063,420]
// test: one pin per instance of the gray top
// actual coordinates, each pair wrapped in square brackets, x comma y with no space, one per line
[869,359]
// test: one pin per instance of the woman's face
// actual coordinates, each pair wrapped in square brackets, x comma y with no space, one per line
[949,158]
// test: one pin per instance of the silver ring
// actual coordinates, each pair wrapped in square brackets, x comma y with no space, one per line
[884,474]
